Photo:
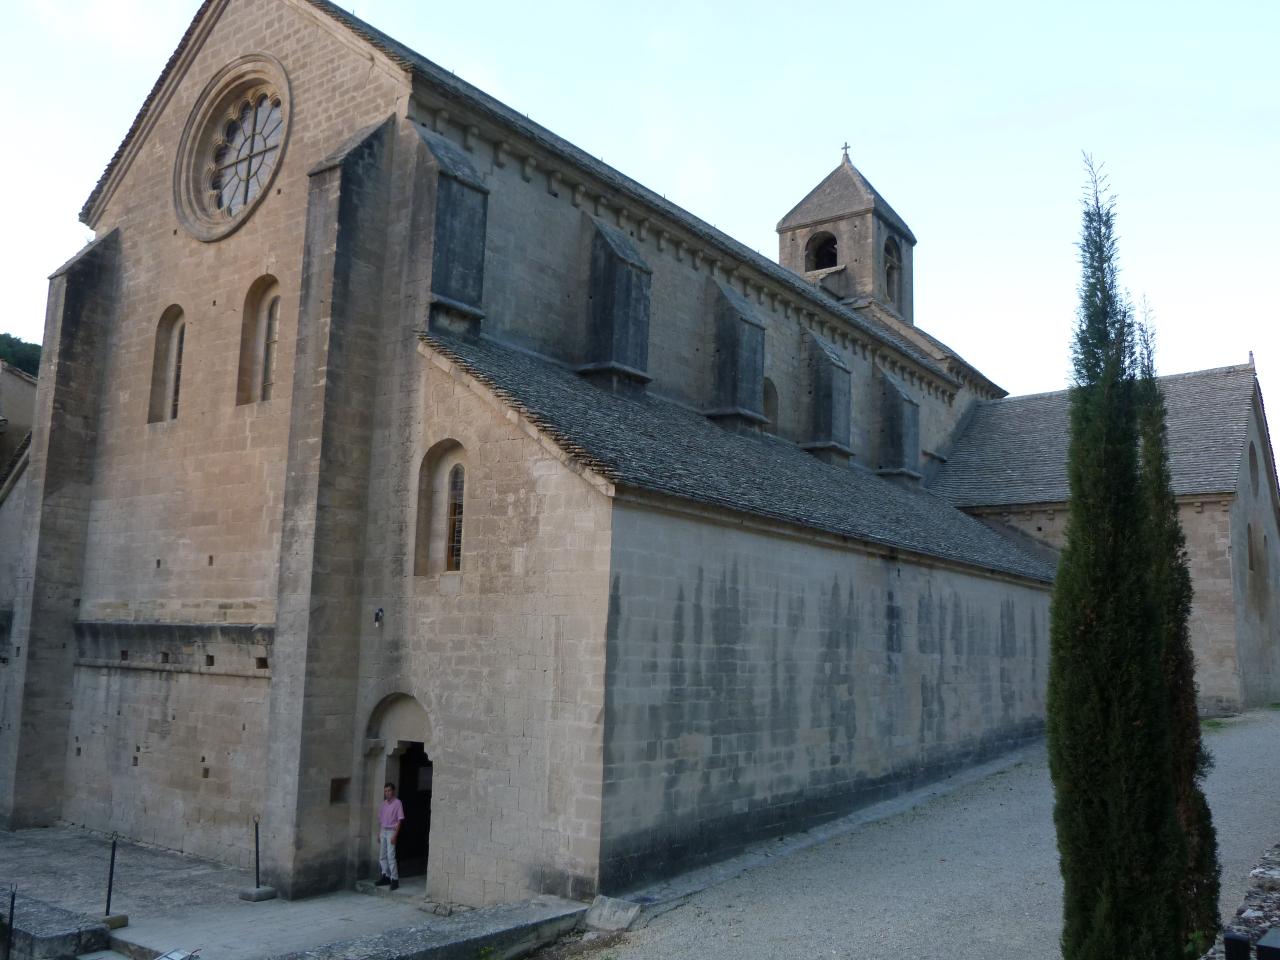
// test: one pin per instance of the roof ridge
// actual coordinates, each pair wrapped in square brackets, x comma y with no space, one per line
[1185,375]
[414,62]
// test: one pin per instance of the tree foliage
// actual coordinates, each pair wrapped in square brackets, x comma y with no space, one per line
[1170,585]
[1109,728]
[25,356]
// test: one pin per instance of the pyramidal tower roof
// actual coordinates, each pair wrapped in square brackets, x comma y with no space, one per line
[845,192]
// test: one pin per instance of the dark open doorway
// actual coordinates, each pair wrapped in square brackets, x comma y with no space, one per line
[415,795]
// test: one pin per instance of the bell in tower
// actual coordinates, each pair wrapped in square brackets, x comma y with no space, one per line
[844,237]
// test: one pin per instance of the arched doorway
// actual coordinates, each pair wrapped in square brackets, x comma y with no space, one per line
[400,732]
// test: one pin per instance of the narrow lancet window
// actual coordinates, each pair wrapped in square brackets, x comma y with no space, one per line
[179,337]
[893,272]
[453,529]
[270,336]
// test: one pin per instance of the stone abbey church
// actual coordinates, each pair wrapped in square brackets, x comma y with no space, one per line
[381,434]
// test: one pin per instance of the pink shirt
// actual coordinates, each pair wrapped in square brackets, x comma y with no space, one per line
[390,813]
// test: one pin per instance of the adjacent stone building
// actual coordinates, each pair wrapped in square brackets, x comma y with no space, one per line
[1009,465]
[381,434]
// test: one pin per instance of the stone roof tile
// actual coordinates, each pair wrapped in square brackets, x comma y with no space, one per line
[1014,450]
[844,191]
[653,444]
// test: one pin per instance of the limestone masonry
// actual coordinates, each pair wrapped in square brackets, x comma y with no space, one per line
[382,435]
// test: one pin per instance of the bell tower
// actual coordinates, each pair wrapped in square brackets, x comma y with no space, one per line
[844,237]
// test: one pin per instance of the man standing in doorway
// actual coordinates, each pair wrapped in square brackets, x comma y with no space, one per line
[390,816]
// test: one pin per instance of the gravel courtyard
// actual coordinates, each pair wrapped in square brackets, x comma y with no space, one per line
[969,874]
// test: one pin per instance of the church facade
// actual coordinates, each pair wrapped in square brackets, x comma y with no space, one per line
[382,435]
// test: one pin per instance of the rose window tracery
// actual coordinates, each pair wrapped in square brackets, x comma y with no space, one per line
[247,153]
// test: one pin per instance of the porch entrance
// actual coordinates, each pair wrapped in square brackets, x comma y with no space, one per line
[414,790]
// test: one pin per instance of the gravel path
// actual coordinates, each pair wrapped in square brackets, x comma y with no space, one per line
[970,874]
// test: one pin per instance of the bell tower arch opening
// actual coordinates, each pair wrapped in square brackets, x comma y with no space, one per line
[821,252]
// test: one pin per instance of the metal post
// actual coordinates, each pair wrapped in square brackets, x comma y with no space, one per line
[111,874]
[8,947]
[1236,945]
[256,883]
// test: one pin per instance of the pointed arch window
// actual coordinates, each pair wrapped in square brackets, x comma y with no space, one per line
[453,527]
[166,366]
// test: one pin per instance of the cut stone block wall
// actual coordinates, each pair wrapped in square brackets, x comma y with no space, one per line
[11,511]
[211,482]
[168,735]
[758,681]
[1255,569]
[505,656]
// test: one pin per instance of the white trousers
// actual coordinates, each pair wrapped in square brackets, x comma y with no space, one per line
[387,853]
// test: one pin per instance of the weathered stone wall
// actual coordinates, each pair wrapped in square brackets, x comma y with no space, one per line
[1255,570]
[757,681]
[505,656]
[168,735]
[1206,524]
[11,510]
[185,514]
[35,695]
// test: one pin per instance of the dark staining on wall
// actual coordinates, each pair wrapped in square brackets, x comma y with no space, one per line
[926,638]
[1034,641]
[929,630]
[699,630]
[713,748]
[957,626]
[786,738]
[892,628]
[832,695]
[1008,650]
[679,689]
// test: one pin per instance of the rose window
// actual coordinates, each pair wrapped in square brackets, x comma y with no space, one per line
[246,153]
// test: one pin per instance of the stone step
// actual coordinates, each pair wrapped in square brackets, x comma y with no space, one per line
[104,955]
[42,931]
[502,931]
[414,889]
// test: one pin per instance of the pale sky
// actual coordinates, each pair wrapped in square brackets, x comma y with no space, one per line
[968,118]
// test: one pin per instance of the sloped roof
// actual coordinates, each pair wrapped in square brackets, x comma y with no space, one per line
[845,191]
[476,99]
[648,443]
[1014,450]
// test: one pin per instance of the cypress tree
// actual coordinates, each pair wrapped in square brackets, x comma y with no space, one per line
[1197,889]
[1108,721]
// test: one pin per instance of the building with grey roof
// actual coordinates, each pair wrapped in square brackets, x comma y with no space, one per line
[384,436]
[1008,464]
